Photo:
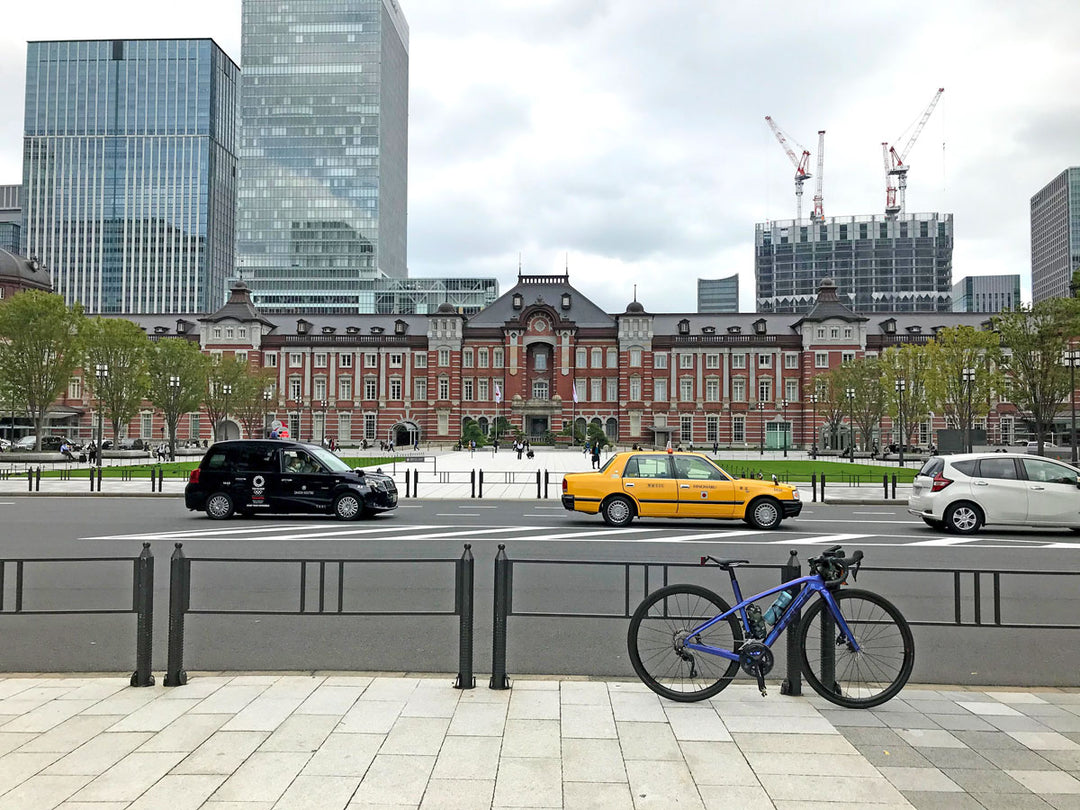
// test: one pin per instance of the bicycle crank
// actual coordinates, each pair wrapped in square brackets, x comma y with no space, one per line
[756,660]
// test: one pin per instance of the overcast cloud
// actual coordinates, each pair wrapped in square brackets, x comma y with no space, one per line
[627,138]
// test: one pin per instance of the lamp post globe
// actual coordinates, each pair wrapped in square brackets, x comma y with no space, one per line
[851,412]
[101,372]
[813,438]
[761,426]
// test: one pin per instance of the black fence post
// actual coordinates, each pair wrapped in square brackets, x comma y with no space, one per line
[472,481]
[481,496]
[538,485]
[813,485]
[503,577]
[416,483]
[91,477]
[408,483]
[823,487]
[144,606]
[99,479]
[792,684]
[179,597]
[463,581]
[29,479]
[885,485]
[894,486]
[37,480]
[547,480]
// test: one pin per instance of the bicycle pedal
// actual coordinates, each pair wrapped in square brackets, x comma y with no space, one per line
[764,692]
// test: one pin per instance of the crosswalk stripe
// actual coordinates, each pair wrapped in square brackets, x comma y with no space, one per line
[821,540]
[194,532]
[218,535]
[947,541]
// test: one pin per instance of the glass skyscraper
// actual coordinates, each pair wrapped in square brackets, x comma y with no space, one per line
[324,162]
[1055,236]
[879,264]
[718,294]
[129,172]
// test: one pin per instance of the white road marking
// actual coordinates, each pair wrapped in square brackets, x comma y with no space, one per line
[179,535]
[457,514]
[822,540]
[871,513]
[861,522]
[948,541]
[307,536]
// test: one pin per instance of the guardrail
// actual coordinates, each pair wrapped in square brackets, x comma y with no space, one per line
[323,602]
[142,601]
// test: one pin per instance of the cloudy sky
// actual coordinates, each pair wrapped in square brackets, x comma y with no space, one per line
[627,137]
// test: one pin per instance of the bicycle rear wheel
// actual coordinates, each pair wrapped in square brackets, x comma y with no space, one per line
[658,629]
[874,674]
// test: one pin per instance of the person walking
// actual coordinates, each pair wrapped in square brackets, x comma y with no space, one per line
[519,447]
[596,454]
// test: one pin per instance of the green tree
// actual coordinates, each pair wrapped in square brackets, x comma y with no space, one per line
[470,432]
[500,427]
[249,402]
[124,348]
[596,434]
[40,348]
[911,364]
[865,376]
[1035,338]
[953,351]
[832,405]
[177,374]
[224,376]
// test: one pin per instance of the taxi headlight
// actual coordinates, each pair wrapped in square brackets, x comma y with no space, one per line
[795,494]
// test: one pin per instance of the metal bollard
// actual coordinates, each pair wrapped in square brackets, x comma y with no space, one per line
[547,479]
[416,483]
[894,486]
[463,581]
[91,477]
[408,483]
[472,480]
[537,485]
[885,485]
[501,602]
[813,485]
[792,684]
[29,479]
[823,487]
[99,479]
[481,489]
[37,480]
[144,606]
[179,599]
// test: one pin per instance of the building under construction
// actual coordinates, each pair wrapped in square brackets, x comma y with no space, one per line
[885,263]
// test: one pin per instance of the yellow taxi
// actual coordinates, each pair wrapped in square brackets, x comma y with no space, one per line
[676,485]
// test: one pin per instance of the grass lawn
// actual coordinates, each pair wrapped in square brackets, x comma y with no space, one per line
[181,469]
[838,472]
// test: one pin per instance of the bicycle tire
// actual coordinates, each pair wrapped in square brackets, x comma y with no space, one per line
[886,656]
[655,629]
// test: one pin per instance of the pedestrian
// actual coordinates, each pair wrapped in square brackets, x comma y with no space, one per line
[716,448]
[495,446]
[416,444]
[472,448]
[596,455]
[519,448]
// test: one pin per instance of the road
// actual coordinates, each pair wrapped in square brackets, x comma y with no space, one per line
[530,530]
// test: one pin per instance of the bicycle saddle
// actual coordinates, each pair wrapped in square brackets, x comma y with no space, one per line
[727,563]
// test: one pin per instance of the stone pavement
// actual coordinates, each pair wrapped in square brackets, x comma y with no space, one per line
[336,741]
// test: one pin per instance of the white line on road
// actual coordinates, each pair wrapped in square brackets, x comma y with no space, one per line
[871,513]
[947,541]
[822,540]
[307,536]
[861,522]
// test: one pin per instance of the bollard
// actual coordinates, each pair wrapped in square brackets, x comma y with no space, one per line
[408,483]
[29,479]
[463,581]
[501,602]
[91,477]
[144,606]
[481,488]
[813,484]
[99,479]
[792,684]
[538,485]
[472,481]
[37,480]
[416,483]
[823,487]
[547,479]
[885,485]
[179,597]
[894,486]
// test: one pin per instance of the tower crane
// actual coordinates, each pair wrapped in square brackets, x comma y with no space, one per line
[799,162]
[819,203]
[895,167]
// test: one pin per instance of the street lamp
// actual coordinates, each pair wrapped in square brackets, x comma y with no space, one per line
[761,423]
[1072,357]
[174,394]
[851,411]
[323,404]
[900,386]
[268,394]
[101,371]
[813,439]
[226,389]
[969,379]
[783,410]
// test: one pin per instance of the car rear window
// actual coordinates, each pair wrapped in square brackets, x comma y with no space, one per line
[966,467]
[996,468]
[214,461]
[647,467]
[932,467]
[259,458]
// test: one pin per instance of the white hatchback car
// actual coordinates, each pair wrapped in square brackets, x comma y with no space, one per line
[963,492]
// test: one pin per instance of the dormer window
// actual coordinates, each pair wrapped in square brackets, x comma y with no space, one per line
[377,330]
[352,330]
[708,330]
[566,300]
[734,330]
[760,326]
[517,301]
[936,329]
[328,330]
[181,327]
[302,326]
[888,326]
[684,327]
[915,329]
[161,330]
[400,327]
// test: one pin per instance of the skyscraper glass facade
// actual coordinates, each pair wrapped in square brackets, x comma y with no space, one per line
[129,172]
[1055,236]
[879,264]
[324,163]
[718,294]
[986,293]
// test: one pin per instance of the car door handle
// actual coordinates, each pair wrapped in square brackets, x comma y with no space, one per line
[629,485]
[981,484]
[1039,488]
[286,480]
[684,486]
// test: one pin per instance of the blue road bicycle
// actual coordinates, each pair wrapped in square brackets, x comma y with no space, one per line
[857,650]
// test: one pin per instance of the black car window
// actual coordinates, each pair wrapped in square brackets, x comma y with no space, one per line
[214,461]
[996,468]
[257,458]
[647,467]
[933,466]
[968,467]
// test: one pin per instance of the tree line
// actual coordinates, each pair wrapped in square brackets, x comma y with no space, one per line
[43,342]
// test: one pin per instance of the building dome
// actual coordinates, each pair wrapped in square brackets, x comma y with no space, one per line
[20,273]
[446,308]
[635,307]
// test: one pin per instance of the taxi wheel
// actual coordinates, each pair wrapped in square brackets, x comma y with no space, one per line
[348,507]
[219,506]
[617,511]
[764,513]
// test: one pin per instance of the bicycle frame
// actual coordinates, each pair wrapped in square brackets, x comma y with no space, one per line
[808,586]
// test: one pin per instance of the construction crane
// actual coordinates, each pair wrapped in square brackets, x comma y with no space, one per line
[799,162]
[819,203]
[896,168]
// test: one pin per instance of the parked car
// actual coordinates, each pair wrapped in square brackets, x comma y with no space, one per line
[908,448]
[1050,450]
[962,493]
[49,444]
[253,475]
[676,485]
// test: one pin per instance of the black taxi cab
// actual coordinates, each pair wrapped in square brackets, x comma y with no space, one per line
[250,476]
[676,485]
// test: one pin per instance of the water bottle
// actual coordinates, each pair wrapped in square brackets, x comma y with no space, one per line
[757,624]
[773,614]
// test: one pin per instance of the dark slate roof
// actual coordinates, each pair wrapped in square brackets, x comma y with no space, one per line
[23,271]
[828,306]
[238,307]
[547,290]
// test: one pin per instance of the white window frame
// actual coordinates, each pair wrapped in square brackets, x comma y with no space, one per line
[821,359]
[738,389]
[738,360]
[686,389]
[712,361]
[764,361]
[270,360]
[686,360]
[660,360]
[791,360]
[420,388]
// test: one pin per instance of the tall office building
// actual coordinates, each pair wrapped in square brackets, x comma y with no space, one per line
[324,163]
[879,263]
[129,172]
[718,294]
[1055,236]
[10,218]
[986,293]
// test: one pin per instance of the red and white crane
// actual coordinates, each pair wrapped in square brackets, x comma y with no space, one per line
[895,167]
[798,161]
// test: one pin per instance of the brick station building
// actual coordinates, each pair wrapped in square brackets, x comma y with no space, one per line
[733,379]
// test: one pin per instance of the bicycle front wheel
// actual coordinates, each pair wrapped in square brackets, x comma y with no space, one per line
[659,629]
[882,665]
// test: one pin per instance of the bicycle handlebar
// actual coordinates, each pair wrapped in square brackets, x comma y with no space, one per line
[833,567]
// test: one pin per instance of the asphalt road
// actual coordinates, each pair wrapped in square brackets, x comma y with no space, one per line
[540,532]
